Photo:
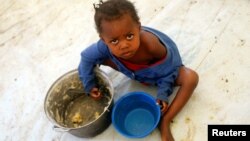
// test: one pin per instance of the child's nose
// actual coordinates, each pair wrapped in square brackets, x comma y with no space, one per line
[124,45]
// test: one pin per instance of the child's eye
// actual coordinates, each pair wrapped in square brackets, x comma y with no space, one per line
[130,36]
[114,42]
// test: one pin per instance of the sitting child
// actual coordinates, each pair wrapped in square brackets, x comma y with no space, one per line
[141,53]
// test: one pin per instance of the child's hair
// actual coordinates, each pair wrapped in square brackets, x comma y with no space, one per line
[112,10]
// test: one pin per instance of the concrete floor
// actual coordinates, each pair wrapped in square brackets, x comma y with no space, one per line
[42,40]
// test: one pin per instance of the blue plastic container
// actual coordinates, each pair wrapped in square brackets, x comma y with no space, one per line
[136,114]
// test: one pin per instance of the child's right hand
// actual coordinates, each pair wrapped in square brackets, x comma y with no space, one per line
[95,94]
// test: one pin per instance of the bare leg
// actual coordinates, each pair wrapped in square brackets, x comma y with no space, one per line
[187,80]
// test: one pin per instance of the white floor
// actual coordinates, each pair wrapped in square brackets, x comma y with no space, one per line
[42,40]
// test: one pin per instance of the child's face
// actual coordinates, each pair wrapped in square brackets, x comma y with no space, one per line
[121,36]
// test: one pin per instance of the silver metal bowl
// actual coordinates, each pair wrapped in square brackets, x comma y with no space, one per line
[69,109]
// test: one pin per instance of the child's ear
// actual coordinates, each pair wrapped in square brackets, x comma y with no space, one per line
[102,38]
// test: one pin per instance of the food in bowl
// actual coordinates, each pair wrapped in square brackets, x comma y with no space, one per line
[84,110]
[77,119]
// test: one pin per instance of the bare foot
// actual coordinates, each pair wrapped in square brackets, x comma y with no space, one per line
[166,134]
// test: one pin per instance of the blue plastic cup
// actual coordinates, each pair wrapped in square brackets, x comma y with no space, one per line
[136,114]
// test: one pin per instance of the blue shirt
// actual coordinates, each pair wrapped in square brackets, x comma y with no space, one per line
[162,75]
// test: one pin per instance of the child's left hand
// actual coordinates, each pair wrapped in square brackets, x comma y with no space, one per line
[164,106]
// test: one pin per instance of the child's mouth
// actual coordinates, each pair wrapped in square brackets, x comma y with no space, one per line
[127,54]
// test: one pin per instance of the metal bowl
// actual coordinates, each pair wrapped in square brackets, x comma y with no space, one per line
[68,107]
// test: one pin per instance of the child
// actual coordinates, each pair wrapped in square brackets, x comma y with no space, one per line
[141,53]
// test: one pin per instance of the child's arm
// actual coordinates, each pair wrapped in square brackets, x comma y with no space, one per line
[91,57]
[165,89]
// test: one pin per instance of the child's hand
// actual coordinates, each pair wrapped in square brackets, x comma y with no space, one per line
[95,94]
[164,106]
